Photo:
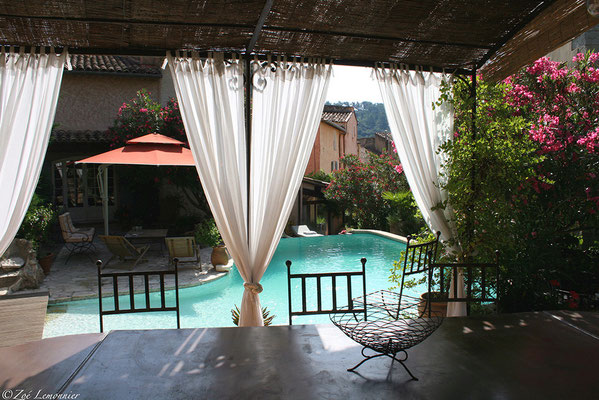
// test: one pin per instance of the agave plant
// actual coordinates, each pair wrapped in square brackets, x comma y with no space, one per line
[265,315]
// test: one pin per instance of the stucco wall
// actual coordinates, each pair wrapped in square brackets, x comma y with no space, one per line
[351,135]
[563,54]
[329,146]
[314,162]
[91,101]
[587,41]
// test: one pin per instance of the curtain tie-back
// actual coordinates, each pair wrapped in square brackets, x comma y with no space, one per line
[256,288]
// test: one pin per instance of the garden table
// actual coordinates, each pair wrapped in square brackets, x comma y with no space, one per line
[149,236]
[542,355]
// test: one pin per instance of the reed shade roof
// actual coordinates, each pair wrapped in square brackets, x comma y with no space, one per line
[553,27]
[440,33]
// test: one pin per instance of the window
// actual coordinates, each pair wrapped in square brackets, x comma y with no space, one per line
[94,197]
[76,185]
[334,165]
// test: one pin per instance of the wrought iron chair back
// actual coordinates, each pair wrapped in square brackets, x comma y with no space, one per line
[418,260]
[481,282]
[394,321]
[129,276]
[336,306]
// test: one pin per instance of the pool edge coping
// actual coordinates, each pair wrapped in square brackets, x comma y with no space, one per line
[384,234]
[215,277]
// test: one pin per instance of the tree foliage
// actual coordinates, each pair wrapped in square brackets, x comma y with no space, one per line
[371,117]
[358,189]
[524,181]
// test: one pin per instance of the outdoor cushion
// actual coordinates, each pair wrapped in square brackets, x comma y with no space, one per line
[79,237]
[12,262]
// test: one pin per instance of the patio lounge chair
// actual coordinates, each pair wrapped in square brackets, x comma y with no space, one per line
[182,248]
[303,231]
[76,240]
[123,249]
[394,322]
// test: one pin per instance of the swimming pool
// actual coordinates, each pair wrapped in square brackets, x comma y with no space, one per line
[209,305]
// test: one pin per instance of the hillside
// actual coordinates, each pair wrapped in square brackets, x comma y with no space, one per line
[371,117]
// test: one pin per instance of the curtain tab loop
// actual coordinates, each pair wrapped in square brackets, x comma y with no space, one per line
[255,288]
[67,58]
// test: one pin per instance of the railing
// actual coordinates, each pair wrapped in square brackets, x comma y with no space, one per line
[114,276]
[319,276]
[481,282]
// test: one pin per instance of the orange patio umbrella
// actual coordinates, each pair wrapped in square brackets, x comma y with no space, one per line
[153,149]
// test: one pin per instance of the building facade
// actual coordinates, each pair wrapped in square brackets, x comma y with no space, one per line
[337,136]
[583,43]
[380,143]
[90,96]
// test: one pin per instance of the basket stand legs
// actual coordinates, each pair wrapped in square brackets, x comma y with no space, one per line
[393,358]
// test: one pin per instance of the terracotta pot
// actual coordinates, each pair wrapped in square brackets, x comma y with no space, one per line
[46,262]
[438,308]
[219,256]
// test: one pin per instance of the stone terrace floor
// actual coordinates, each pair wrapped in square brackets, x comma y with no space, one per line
[79,278]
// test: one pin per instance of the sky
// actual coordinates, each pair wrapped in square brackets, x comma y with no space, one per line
[353,84]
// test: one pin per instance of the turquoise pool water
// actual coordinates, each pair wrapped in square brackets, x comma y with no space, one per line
[209,305]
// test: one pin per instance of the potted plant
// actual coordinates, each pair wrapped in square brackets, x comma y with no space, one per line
[207,233]
[438,303]
[36,227]
[265,316]
[321,222]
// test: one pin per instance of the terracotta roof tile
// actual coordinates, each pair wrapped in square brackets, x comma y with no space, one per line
[64,136]
[385,135]
[338,114]
[112,64]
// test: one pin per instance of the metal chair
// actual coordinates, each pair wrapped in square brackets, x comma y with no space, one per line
[338,302]
[76,240]
[394,322]
[135,306]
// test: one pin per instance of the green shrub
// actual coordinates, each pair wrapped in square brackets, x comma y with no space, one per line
[38,221]
[207,233]
[320,175]
[404,213]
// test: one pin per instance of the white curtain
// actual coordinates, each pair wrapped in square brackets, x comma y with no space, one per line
[29,86]
[287,102]
[418,130]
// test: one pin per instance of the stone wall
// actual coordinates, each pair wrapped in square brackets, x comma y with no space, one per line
[91,101]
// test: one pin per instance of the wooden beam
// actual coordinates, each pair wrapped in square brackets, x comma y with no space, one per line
[259,25]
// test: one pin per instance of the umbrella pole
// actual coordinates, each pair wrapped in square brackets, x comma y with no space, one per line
[103,184]
[105,200]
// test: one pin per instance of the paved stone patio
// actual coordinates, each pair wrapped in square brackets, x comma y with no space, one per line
[79,278]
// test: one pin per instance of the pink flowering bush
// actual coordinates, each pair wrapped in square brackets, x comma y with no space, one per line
[142,115]
[358,189]
[525,181]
